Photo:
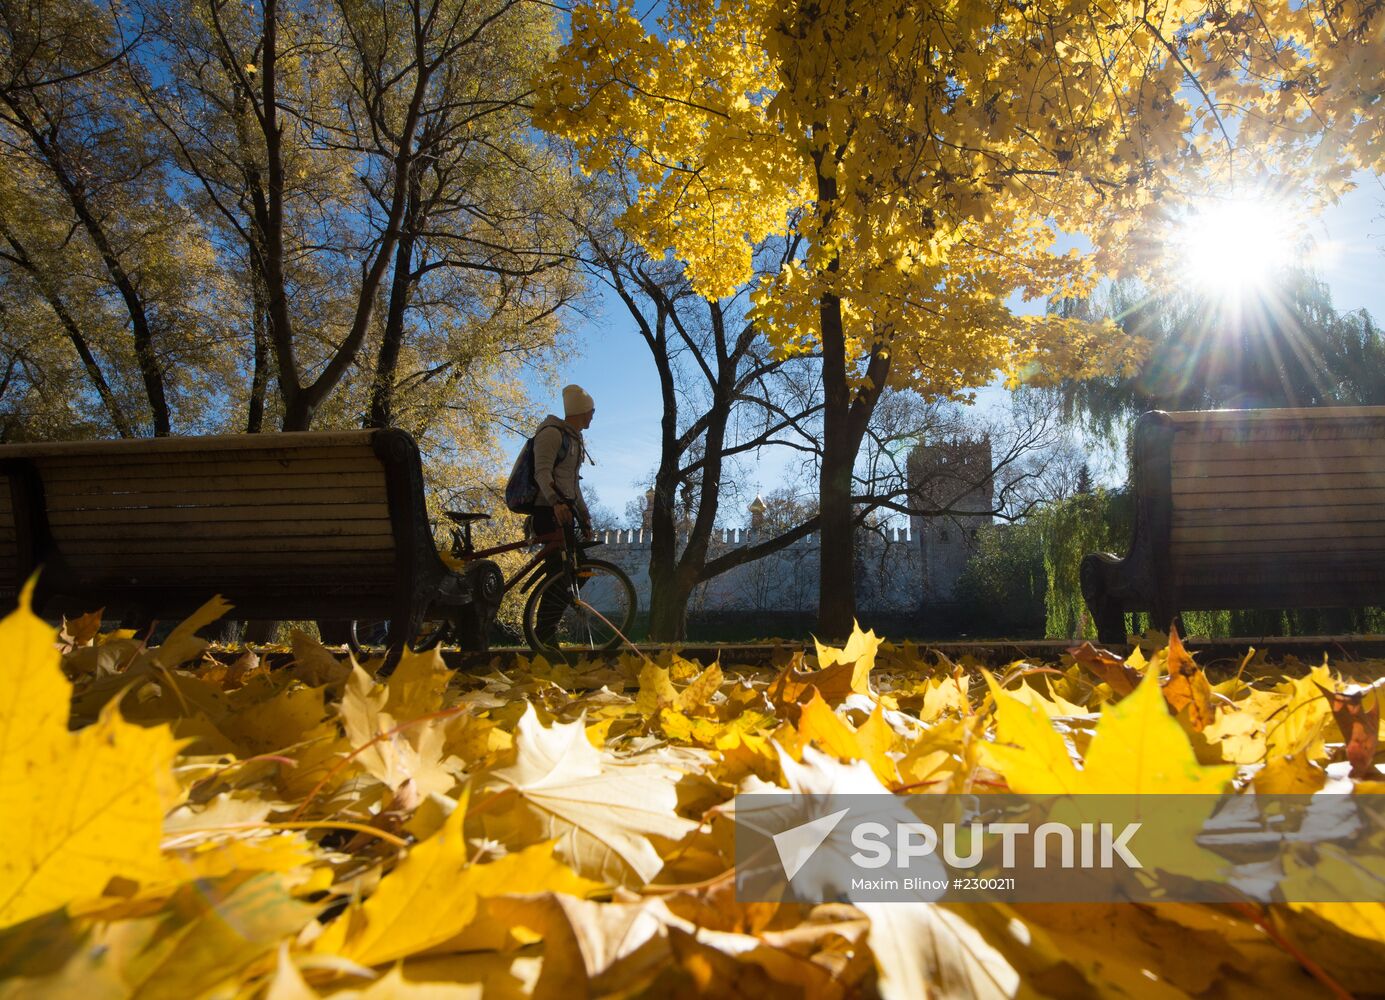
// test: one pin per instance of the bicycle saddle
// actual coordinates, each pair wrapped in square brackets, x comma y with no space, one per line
[464,517]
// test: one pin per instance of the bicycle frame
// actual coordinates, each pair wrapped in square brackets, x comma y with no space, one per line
[528,574]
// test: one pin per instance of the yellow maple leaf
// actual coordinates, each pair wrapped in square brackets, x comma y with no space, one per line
[1240,735]
[831,732]
[1139,749]
[1027,750]
[199,942]
[263,724]
[417,685]
[600,809]
[1187,689]
[1291,775]
[702,688]
[182,643]
[656,690]
[924,950]
[437,878]
[79,807]
[288,984]
[859,652]
[414,752]
[1299,727]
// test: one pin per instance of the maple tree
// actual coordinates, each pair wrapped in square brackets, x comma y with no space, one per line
[191,824]
[927,156]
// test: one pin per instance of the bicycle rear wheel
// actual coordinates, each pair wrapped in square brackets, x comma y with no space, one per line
[557,620]
[364,635]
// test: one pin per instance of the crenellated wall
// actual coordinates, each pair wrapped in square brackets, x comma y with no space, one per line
[898,570]
[727,537]
[889,572]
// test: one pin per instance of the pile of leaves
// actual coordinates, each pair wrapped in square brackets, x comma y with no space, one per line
[178,824]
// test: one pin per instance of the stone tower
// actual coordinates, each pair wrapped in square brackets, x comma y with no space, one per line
[950,476]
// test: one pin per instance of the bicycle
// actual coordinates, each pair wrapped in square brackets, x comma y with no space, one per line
[575,603]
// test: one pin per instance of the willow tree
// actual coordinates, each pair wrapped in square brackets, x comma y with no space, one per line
[928,154]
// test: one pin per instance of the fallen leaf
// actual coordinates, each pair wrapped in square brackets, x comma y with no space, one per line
[80,631]
[79,807]
[1187,690]
[1108,666]
[1357,714]
[602,811]
[438,878]
[925,950]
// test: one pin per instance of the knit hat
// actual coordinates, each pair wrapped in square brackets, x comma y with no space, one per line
[576,400]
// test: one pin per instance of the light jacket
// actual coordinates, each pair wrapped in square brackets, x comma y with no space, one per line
[559,480]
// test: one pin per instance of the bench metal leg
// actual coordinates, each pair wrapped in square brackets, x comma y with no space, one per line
[1102,600]
[1163,615]
[334,632]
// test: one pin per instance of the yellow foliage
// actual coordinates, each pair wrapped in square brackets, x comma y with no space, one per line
[444,835]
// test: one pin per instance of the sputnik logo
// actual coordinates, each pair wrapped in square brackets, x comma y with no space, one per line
[797,844]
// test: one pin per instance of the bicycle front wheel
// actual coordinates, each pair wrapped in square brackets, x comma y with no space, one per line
[592,615]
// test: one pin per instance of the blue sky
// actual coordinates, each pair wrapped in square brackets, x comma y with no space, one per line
[614,365]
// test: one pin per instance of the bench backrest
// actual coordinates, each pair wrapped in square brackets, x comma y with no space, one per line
[275,522]
[1277,508]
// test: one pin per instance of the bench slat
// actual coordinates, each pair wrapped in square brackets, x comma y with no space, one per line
[1279,572]
[213,500]
[210,531]
[169,544]
[113,483]
[1296,449]
[1364,465]
[304,513]
[1289,548]
[1265,415]
[284,564]
[1311,514]
[1276,498]
[1309,483]
[1269,532]
[294,442]
[1322,591]
[97,469]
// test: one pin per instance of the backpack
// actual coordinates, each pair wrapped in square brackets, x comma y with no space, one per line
[522,489]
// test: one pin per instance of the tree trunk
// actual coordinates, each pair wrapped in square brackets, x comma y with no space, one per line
[668,599]
[45,141]
[298,414]
[837,572]
[401,285]
[259,379]
[74,334]
[268,247]
[668,605]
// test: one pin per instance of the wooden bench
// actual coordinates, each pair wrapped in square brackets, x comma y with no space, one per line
[1240,509]
[284,526]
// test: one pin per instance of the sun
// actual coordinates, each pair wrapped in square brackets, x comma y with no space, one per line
[1234,247]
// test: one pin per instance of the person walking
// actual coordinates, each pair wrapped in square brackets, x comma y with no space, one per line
[559,452]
